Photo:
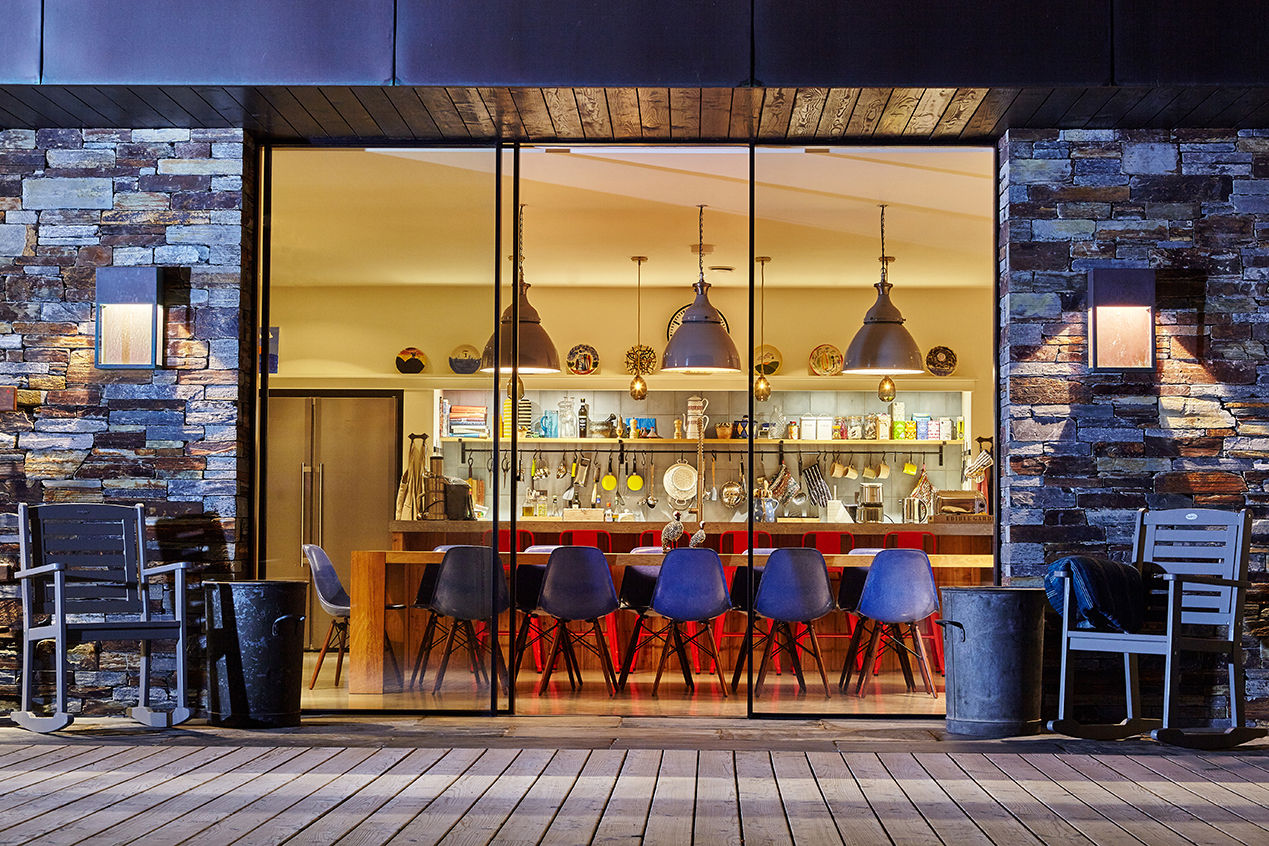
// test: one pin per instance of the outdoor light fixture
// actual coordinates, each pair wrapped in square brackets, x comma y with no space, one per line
[882,346]
[537,352]
[129,318]
[701,343]
[1121,319]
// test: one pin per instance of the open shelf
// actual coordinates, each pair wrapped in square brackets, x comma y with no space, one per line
[714,442]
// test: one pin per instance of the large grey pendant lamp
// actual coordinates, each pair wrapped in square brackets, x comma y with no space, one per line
[537,351]
[701,343]
[883,346]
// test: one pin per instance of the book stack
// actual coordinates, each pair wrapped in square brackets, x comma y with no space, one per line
[468,421]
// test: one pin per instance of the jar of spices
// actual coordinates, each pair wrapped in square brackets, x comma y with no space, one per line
[855,427]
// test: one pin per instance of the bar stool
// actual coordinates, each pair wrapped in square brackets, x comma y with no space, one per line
[794,589]
[927,542]
[691,588]
[467,591]
[578,587]
[899,591]
[734,541]
[598,538]
[524,539]
[829,543]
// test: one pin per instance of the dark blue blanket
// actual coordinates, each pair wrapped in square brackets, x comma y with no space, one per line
[1107,595]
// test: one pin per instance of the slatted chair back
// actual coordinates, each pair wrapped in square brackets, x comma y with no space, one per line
[1199,542]
[100,547]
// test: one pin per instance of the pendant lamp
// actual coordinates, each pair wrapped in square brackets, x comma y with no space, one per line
[701,344]
[639,359]
[762,385]
[882,346]
[537,351]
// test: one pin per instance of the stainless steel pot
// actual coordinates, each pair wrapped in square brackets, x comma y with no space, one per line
[871,493]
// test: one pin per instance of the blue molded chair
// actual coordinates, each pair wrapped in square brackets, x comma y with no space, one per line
[334,601]
[794,589]
[577,587]
[638,584]
[470,589]
[528,582]
[434,632]
[898,593]
[691,588]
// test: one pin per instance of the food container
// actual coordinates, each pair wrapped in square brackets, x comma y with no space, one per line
[855,427]
[898,410]
[870,427]
[898,431]
[909,430]
[922,422]
[883,427]
[948,428]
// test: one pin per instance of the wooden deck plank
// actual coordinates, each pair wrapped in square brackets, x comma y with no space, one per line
[990,816]
[1103,792]
[626,814]
[898,816]
[948,820]
[530,819]
[17,752]
[225,803]
[57,781]
[1212,802]
[581,810]
[323,799]
[260,813]
[717,805]
[194,794]
[478,824]
[762,818]
[670,819]
[23,758]
[1240,775]
[70,808]
[451,805]
[352,811]
[1049,827]
[809,817]
[402,805]
[856,821]
[1087,820]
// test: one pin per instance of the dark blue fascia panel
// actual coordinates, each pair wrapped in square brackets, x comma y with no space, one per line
[688,43]
[20,42]
[218,42]
[1191,42]
[920,43]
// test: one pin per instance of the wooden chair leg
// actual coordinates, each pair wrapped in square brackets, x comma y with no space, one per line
[1132,687]
[605,657]
[707,631]
[746,644]
[518,648]
[818,656]
[321,656]
[791,648]
[552,655]
[665,654]
[342,641]
[765,661]
[632,650]
[923,660]
[870,660]
[896,632]
[681,650]
[853,661]
[445,655]
[424,653]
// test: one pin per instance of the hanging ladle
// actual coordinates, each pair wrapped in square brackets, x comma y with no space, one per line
[650,501]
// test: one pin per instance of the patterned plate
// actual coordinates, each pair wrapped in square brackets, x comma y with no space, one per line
[826,360]
[767,360]
[411,360]
[940,361]
[465,359]
[583,360]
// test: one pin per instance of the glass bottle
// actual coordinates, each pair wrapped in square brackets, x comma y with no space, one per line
[568,418]
[583,420]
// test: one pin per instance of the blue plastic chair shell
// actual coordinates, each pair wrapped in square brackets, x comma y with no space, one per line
[899,588]
[578,584]
[692,586]
[794,586]
[467,587]
[330,592]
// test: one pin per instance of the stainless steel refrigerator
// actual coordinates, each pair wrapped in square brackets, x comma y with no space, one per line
[332,475]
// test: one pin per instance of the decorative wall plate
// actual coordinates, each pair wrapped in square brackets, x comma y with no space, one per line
[826,360]
[676,320]
[767,360]
[411,360]
[583,360]
[640,360]
[465,359]
[941,361]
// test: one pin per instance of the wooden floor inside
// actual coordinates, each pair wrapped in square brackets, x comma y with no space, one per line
[778,783]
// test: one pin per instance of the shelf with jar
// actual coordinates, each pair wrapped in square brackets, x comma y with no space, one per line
[891,445]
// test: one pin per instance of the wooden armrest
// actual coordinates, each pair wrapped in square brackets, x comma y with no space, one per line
[164,568]
[1215,581]
[42,570]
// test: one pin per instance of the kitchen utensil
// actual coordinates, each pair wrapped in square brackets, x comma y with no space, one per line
[909,468]
[837,470]
[915,510]
[634,481]
[851,472]
[883,469]
[680,481]
[816,487]
[734,491]
[650,501]
[609,481]
[870,472]
[871,493]
[477,485]
[713,478]
[722,431]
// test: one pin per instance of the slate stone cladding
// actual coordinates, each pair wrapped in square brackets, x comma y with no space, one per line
[1083,451]
[174,438]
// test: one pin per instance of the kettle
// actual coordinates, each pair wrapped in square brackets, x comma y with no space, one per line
[915,510]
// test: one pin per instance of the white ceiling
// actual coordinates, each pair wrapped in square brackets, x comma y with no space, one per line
[421,217]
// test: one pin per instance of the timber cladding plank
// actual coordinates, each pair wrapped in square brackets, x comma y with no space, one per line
[746,108]
[412,111]
[533,814]
[868,111]
[898,111]
[715,112]
[717,805]
[563,111]
[685,114]
[777,109]
[623,107]
[940,811]
[674,800]
[654,112]
[762,818]
[809,817]
[581,811]
[835,116]
[958,112]
[534,115]
[502,108]
[929,111]
[808,107]
[592,110]
[626,814]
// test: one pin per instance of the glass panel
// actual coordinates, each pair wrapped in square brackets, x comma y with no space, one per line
[861,472]
[127,333]
[381,298]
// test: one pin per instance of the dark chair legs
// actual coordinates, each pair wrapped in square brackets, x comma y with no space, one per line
[888,636]
[339,631]
[563,642]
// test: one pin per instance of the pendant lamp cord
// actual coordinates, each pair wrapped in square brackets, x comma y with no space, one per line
[762,325]
[639,301]
[520,245]
[700,240]
[884,258]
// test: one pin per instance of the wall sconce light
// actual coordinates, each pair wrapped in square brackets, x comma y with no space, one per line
[1121,319]
[129,317]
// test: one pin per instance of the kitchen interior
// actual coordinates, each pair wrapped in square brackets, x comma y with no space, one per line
[382,304]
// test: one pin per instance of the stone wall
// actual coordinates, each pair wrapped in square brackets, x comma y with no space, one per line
[173,438]
[1083,451]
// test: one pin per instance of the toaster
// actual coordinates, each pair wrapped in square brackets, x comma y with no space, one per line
[959,502]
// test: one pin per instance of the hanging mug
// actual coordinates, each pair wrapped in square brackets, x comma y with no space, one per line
[883,469]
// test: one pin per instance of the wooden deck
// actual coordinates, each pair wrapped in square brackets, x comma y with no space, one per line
[897,782]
